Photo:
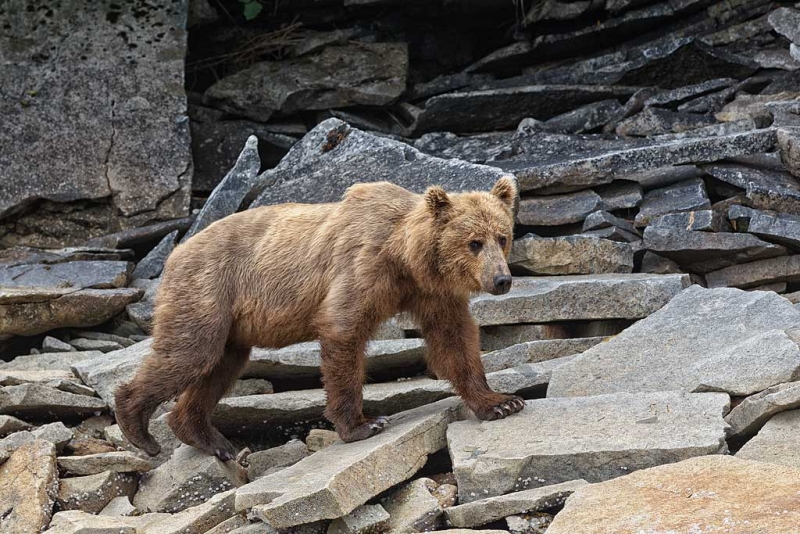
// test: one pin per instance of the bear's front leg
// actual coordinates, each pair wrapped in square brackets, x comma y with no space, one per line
[453,353]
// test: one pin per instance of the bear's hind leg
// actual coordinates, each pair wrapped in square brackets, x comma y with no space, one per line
[190,420]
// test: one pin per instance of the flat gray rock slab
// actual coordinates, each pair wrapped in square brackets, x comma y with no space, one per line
[747,417]
[92,464]
[756,273]
[786,22]
[380,399]
[575,298]
[197,519]
[124,136]
[333,156]
[335,481]
[303,359]
[151,265]
[776,442]
[71,274]
[708,251]
[699,220]
[727,340]
[605,164]
[593,438]
[40,401]
[576,254]
[554,210]
[536,351]
[484,511]
[780,228]
[30,311]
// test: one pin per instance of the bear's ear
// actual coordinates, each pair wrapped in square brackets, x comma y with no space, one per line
[506,190]
[437,200]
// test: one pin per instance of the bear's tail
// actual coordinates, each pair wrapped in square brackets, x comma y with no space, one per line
[136,402]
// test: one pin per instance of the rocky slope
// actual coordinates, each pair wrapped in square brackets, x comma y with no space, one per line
[651,328]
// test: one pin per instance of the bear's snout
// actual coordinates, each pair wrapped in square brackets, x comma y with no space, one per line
[502,284]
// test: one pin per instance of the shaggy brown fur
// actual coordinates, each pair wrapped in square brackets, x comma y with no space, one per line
[278,275]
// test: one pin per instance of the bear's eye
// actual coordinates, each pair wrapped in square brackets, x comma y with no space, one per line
[502,241]
[475,246]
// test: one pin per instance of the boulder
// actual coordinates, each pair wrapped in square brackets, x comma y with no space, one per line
[703,252]
[30,311]
[92,464]
[699,494]
[704,340]
[585,118]
[123,138]
[268,461]
[484,511]
[151,265]
[10,424]
[366,519]
[338,156]
[119,507]
[556,210]
[776,442]
[655,121]
[70,274]
[340,478]
[51,344]
[228,196]
[188,478]
[28,484]
[757,273]
[697,220]
[412,508]
[602,219]
[578,254]
[198,519]
[683,196]
[319,438]
[52,362]
[536,351]
[337,77]
[747,417]
[595,438]
[102,345]
[782,228]
[14,256]
[574,298]
[786,22]
[502,336]
[55,433]
[92,493]
[79,522]
[42,402]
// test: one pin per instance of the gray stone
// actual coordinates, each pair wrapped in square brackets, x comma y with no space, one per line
[31,311]
[707,251]
[753,107]
[655,264]
[189,478]
[483,511]
[101,345]
[780,228]
[302,360]
[337,480]
[503,108]
[337,77]
[92,464]
[578,254]
[268,461]
[502,336]
[319,438]
[704,340]
[236,413]
[55,361]
[55,433]
[28,484]
[747,417]
[775,198]
[239,524]
[620,195]
[10,424]
[228,196]
[251,386]
[756,273]
[602,219]
[684,196]
[339,156]
[676,97]
[776,442]
[139,236]
[700,220]
[529,523]
[617,234]
[141,312]
[366,519]
[537,167]
[535,352]
[151,265]
[740,175]
[575,298]
[92,493]
[12,257]
[585,118]
[51,344]
[41,401]
[655,121]
[480,148]
[119,507]
[71,274]
[705,493]
[198,519]
[104,336]
[557,209]
[105,372]
[124,136]
[412,508]
[80,522]
[595,438]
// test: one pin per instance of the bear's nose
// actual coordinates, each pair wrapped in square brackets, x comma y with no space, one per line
[502,284]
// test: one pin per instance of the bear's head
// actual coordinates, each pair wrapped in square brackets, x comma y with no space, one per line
[473,233]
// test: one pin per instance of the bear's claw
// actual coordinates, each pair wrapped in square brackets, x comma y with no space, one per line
[509,405]
[365,430]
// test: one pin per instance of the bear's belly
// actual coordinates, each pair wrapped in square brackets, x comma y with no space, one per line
[273,328]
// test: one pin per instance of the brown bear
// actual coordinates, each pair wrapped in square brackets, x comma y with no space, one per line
[278,275]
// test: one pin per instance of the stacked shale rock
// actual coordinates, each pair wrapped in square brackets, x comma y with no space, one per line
[651,326]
